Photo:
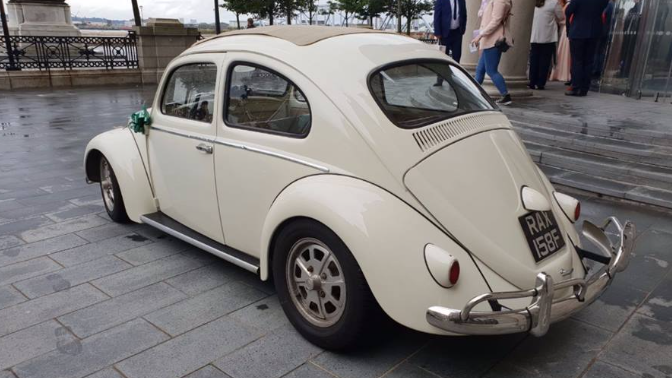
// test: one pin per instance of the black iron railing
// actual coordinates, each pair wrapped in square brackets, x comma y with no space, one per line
[68,53]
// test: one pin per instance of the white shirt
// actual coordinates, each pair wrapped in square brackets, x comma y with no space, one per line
[545,23]
[454,10]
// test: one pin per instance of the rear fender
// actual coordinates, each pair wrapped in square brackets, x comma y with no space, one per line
[387,238]
[120,150]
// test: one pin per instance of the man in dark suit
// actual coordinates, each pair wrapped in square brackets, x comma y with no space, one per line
[450,23]
[584,33]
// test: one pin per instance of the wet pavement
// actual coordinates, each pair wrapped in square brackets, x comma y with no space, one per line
[82,296]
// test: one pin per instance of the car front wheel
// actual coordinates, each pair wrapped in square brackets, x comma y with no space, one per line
[109,187]
[321,287]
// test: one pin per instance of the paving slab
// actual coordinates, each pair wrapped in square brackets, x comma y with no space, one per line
[106,231]
[34,341]
[115,311]
[145,275]
[376,360]
[659,303]
[154,251]
[265,315]
[97,352]
[272,356]
[27,269]
[603,370]
[308,370]
[38,249]
[406,370]
[94,251]
[189,351]
[205,278]
[207,372]
[464,356]
[9,296]
[569,340]
[106,373]
[62,228]
[193,312]
[69,277]
[9,241]
[19,226]
[38,310]
[644,346]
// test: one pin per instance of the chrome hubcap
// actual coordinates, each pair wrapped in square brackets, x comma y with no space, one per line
[106,184]
[316,282]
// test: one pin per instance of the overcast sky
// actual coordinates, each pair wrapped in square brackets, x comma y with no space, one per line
[202,10]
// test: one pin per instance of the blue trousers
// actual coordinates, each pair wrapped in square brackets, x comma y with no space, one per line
[488,63]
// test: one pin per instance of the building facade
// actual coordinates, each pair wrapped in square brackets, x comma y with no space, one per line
[638,62]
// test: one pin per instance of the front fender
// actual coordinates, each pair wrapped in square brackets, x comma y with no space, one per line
[387,238]
[120,150]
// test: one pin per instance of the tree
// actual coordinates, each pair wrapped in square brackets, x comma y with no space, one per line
[411,9]
[371,9]
[349,7]
[238,7]
[265,9]
[310,6]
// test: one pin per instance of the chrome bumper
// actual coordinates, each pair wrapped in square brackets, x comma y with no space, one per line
[544,308]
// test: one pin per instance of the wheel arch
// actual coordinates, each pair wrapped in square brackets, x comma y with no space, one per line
[119,148]
[386,237]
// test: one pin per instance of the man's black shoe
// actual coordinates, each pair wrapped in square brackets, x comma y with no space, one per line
[573,93]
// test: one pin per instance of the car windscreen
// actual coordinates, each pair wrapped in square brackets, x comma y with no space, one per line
[419,93]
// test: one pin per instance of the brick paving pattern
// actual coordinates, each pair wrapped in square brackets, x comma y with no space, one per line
[81,296]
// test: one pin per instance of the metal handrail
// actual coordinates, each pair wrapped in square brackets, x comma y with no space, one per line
[68,53]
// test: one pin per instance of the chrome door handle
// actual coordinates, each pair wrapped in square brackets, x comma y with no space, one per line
[204,148]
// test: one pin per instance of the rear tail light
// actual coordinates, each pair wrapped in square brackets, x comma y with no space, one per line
[454,274]
[444,267]
[569,205]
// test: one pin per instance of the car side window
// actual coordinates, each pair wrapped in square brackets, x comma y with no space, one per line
[190,92]
[262,100]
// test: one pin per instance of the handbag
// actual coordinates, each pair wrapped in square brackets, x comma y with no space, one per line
[502,44]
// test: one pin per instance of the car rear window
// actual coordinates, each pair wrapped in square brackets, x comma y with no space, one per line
[419,93]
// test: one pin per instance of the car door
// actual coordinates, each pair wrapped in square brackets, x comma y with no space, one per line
[180,146]
[263,133]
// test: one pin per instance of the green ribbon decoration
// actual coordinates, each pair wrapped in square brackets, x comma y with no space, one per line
[139,120]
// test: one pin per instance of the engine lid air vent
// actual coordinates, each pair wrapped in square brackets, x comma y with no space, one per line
[458,128]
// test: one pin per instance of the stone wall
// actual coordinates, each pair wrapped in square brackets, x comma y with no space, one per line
[160,42]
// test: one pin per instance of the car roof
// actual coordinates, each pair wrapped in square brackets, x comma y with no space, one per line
[331,52]
[300,35]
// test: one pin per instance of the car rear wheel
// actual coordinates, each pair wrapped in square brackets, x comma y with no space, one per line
[321,287]
[109,187]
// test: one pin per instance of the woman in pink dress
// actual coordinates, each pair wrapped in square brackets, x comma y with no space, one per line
[563,60]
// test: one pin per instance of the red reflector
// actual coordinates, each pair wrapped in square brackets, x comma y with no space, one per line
[454,272]
[577,211]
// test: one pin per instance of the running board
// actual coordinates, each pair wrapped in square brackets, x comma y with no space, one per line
[176,229]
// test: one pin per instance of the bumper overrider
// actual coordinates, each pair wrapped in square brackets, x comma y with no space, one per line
[544,308]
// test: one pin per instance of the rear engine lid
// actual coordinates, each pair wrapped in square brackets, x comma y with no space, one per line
[473,188]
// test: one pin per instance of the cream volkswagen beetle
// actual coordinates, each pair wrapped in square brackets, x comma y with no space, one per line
[356,169]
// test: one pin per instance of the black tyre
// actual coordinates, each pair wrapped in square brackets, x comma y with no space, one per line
[109,188]
[321,287]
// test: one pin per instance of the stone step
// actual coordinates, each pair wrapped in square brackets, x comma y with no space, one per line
[590,183]
[623,150]
[600,166]
[632,130]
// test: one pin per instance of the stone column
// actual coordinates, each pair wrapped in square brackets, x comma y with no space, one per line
[160,42]
[470,59]
[41,18]
[514,62]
